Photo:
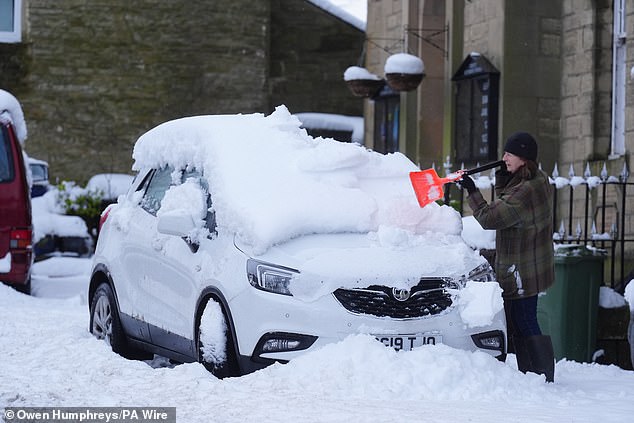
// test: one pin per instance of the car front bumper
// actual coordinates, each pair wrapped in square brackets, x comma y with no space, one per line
[280,327]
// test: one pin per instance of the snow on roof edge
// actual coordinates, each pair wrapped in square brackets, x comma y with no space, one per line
[340,13]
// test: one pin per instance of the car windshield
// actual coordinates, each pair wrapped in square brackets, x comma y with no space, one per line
[6,157]
[39,172]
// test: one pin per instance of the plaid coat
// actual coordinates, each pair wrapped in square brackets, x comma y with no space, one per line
[522,218]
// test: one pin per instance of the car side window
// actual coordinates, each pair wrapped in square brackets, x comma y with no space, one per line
[6,159]
[210,218]
[159,183]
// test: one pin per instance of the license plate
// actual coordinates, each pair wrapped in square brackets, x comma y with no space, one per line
[409,342]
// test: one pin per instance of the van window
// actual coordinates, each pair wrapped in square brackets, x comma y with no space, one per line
[6,157]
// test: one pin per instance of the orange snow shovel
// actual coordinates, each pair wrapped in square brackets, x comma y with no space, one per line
[428,186]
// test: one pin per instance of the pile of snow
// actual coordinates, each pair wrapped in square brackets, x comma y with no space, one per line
[49,218]
[475,236]
[272,182]
[5,263]
[11,109]
[609,298]
[357,379]
[629,295]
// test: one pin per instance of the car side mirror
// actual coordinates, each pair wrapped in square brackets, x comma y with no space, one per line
[176,223]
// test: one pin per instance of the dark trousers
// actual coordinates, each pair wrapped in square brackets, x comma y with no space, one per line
[521,316]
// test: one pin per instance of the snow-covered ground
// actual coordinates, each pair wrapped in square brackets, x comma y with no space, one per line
[49,358]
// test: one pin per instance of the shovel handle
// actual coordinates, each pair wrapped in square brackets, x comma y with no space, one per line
[483,167]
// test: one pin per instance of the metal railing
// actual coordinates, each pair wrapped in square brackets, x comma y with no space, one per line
[588,210]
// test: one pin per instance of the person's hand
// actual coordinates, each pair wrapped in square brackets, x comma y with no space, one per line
[467,183]
[502,176]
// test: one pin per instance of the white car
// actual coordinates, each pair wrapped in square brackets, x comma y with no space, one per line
[244,241]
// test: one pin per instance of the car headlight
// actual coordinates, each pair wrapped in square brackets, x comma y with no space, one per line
[270,277]
[482,273]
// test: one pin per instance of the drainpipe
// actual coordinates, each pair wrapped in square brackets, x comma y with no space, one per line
[618,81]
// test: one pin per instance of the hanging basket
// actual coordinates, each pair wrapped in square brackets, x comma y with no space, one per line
[404,71]
[365,87]
[404,81]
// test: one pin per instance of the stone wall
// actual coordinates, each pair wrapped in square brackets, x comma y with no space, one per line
[94,75]
[103,72]
[415,27]
[14,67]
[580,58]
[310,51]
[385,37]
[430,45]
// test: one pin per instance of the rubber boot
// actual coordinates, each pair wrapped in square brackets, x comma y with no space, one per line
[542,357]
[535,354]
[521,354]
[510,328]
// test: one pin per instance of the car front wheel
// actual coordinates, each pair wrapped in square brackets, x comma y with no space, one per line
[104,319]
[214,346]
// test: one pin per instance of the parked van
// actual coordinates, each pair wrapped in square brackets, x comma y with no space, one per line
[15,201]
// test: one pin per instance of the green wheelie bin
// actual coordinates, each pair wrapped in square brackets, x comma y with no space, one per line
[568,310]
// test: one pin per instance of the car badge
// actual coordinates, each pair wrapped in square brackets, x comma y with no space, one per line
[400,294]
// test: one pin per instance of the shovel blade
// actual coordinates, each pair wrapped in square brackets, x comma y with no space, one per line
[428,186]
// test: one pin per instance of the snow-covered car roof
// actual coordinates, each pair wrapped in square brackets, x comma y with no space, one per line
[271,181]
[11,109]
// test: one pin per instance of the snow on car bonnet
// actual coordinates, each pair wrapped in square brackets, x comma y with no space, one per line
[270,181]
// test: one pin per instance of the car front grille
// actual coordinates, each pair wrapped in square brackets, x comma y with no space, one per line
[429,297]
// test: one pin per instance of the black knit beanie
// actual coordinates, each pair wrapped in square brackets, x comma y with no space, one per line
[523,145]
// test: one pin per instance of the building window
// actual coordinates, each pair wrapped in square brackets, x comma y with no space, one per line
[387,106]
[10,21]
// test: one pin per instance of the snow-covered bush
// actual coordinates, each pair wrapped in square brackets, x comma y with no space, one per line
[85,203]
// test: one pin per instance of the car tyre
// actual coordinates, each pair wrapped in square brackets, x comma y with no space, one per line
[222,361]
[105,323]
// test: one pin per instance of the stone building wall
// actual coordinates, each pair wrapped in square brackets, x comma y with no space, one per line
[522,40]
[555,63]
[310,51]
[105,71]
[94,75]
[429,44]
[384,33]
[483,27]
[580,58]
[415,27]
